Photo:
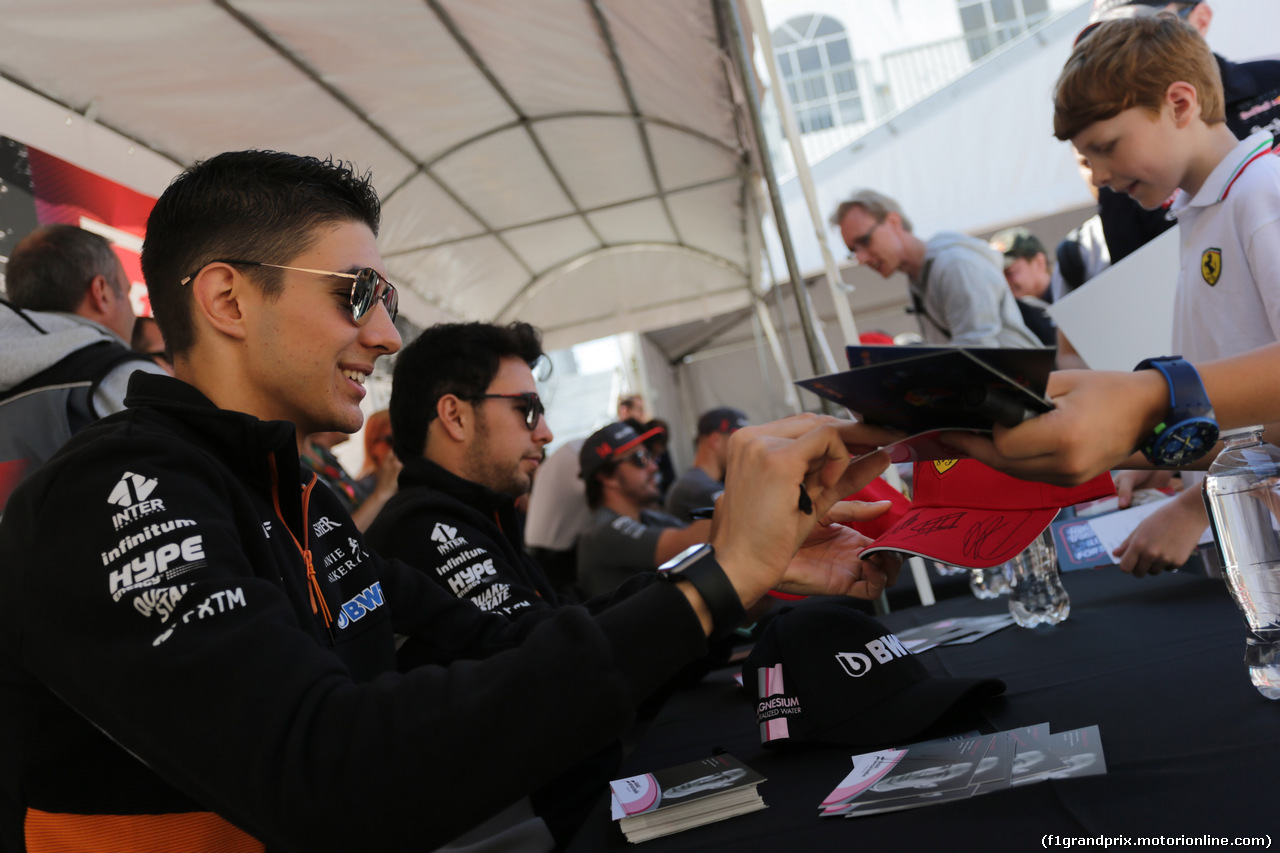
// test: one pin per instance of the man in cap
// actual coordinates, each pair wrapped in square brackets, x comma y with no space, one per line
[699,487]
[957,291]
[627,536]
[210,658]
[1027,271]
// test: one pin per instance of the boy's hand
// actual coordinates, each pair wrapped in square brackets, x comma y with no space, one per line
[1099,417]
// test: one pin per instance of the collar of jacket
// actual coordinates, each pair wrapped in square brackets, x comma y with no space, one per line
[424,472]
[242,442]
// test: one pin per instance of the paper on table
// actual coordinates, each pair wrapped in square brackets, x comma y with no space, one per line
[1125,313]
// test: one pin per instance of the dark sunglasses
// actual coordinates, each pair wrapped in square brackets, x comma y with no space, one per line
[367,290]
[531,403]
[640,459]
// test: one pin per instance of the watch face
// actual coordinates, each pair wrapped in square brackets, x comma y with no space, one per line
[1185,442]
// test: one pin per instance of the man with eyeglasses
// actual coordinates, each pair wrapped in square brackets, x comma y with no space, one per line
[203,654]
[628,535]
[956,282]
[468,424]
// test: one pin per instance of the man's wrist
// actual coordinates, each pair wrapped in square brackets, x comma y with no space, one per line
[713,596]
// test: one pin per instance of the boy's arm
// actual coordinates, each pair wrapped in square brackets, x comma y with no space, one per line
[1099,417]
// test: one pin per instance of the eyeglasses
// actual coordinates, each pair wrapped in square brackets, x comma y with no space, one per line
[530,402]
[367,290]
[863,241]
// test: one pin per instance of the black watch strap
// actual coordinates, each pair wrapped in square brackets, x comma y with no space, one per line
[698,566]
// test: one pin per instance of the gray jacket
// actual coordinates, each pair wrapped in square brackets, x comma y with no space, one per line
[964,297]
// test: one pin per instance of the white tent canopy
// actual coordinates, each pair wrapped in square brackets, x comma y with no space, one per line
[579,164]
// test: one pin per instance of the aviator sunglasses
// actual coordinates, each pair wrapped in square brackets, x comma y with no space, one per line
[367,290]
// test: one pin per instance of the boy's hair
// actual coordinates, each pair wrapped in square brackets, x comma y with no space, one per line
[50,268]
[1131,62]
[263,206]
[450,358]
[877,205]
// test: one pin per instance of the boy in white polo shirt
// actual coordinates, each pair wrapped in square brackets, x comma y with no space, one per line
[1141,100]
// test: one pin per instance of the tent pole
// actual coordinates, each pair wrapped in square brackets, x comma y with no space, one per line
[741,56]
[803,176]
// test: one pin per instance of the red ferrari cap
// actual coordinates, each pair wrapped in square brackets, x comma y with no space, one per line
[967,514]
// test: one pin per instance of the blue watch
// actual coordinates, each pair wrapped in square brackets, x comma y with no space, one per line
[1189,430]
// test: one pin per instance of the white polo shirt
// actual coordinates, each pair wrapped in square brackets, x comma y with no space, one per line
[1228,296]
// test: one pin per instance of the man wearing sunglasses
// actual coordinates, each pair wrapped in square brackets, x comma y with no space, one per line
[468,424]
[628,535]
[205,655]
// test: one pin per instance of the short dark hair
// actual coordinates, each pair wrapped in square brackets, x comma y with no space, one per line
[261,206]
[50,268]
[450,358]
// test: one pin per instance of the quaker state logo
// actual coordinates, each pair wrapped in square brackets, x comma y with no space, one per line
[1211,266]
[942,466]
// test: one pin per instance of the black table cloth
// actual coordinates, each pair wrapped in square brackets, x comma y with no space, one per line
[1157,663]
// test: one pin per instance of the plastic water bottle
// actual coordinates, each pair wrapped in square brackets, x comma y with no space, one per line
[1036,595]
[989,583]
[1242,495]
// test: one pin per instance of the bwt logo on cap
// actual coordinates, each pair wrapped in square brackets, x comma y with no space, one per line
[883,650]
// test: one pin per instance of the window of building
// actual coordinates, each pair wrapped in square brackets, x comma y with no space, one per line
[990,23]
[816,64]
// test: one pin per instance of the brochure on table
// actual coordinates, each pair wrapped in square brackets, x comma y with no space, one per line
[943,771]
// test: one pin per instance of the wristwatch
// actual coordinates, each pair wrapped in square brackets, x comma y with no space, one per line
[1189,430]
[697,564]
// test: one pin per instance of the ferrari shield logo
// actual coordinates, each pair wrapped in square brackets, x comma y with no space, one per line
[1211,266]
[944,465]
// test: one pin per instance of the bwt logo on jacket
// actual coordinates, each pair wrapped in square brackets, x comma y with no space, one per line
[883,650]
[364,602]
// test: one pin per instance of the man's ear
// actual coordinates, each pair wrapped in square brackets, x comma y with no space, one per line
[217,294]
[455,417]
[99,296]
[1185,102]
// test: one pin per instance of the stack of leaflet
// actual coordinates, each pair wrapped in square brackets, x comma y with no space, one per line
[679,798]
[958,631]
[957,768]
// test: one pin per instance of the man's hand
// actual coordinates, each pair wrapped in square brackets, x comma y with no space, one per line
[759,523]
[1166,538]
[828,562]
[1099,417]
